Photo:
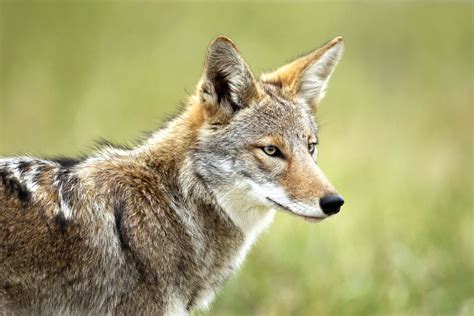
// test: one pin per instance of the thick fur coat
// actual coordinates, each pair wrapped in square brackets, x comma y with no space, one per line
[156,229]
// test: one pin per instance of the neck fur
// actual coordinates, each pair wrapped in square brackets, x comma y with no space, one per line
[174,142]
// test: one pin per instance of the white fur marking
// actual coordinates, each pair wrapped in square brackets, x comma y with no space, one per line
[315,78]
[176,306]
[279,195]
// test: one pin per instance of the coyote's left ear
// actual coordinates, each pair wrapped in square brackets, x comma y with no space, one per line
[307,77]
[227,85]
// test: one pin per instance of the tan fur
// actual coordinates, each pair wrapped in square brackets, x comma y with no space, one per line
[303,187]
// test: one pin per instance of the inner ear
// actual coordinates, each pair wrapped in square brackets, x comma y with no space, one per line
[223,92]
[228,84]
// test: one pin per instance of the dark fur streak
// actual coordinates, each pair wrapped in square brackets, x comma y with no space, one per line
[118,214]
[14,187]
[143,274]
[67,162]
[24,166]
[61,221]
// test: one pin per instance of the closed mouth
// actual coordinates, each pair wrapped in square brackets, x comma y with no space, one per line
[289,210]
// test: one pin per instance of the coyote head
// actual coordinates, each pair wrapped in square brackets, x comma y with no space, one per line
[259,140]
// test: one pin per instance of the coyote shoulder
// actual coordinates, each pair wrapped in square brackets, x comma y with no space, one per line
[157,229]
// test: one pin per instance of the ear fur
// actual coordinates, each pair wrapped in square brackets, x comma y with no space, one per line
[307,77]
[227,84]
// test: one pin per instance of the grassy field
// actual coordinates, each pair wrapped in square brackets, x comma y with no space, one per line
[396,135]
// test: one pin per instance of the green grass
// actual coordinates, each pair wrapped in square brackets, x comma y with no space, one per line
[396,135]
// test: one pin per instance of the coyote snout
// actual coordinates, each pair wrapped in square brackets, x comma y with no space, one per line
[308,185]
[304,189]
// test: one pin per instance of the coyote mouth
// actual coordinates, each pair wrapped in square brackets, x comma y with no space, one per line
[289,210]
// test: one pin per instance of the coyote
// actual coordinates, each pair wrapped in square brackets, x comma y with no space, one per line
[156,229]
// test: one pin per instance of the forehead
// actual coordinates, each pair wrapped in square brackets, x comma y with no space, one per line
[275,114]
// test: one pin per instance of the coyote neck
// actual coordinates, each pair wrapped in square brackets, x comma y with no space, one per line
[179,135]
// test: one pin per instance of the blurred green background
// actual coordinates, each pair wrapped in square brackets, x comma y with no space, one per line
[396,135]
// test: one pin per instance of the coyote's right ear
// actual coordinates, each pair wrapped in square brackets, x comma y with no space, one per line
[227,84]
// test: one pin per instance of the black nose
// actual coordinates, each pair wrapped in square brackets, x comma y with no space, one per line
[331,204]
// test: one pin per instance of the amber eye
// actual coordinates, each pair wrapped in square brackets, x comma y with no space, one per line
[311,148]
[272,151]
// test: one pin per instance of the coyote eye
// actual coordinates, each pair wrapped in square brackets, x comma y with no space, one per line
[272,151]
[311,148]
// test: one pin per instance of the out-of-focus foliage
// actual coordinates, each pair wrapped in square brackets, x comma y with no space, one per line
[396,133]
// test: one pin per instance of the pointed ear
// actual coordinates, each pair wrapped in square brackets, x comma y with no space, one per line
[307,77]
[227,84]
